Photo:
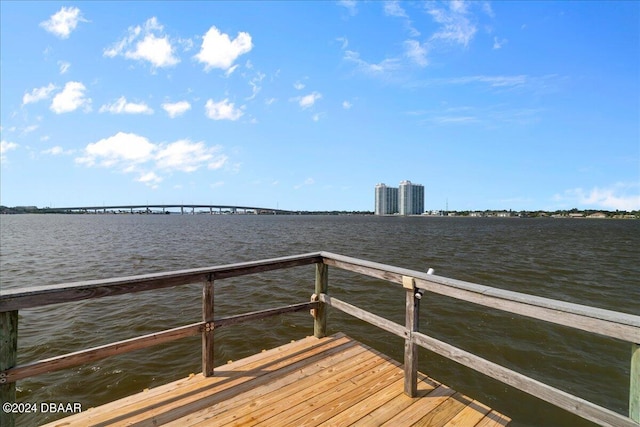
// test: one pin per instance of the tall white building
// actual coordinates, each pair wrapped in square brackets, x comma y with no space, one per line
[408,199]
[386,200]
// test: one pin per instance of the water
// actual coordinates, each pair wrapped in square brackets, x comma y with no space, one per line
[592,262]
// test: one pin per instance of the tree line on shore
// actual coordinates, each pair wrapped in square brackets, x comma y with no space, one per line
[570,213]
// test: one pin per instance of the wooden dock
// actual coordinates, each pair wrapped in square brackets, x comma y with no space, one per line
[331,381]
[320,380]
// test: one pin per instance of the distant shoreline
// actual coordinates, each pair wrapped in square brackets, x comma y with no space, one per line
[562,214]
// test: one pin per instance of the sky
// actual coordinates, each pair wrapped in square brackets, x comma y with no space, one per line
[308,105]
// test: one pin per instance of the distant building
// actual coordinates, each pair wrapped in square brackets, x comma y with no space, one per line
[386,200]
[408,199]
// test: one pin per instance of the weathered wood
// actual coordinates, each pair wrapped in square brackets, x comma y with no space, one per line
[599,321]
[559,398]
[97,353]
[185,395]
[207,332]
[367,316]
[8,359]
[67,292]
[322,286]
[138,343]
[410,349]
[634,386]
[262,314]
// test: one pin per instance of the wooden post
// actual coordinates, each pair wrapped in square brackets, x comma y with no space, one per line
[207,333]
[634,388]
[8,359]
[410,348]
[322,286]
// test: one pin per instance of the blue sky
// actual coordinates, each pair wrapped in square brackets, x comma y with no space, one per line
[308,105]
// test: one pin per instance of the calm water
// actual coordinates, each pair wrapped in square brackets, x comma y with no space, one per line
[592,262]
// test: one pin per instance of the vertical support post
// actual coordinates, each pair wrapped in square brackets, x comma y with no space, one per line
[8,359]
[410,348]
[322,286]
[634,387]
[207,333]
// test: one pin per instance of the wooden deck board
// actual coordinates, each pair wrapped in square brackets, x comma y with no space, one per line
[333,381]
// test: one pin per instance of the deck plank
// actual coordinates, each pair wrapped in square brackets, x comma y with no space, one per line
[352,390]
[239,381]
[470,415]
[265,404]
[333,381]
[444,412]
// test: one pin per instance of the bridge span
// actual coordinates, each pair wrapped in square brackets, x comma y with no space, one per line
[148,208]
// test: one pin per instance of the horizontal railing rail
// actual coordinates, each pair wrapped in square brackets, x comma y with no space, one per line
[68,292]
[612,324]
[141,342]
[609,323]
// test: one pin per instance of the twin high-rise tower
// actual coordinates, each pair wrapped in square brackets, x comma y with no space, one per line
[407,199]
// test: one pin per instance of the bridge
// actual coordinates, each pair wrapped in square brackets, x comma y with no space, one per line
[148,208]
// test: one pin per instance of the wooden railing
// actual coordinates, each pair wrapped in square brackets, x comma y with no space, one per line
[611,324]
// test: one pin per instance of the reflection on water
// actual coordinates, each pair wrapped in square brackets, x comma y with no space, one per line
[592,262]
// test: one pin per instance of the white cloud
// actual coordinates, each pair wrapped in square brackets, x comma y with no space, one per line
[350,5]
[177,108]
[381,68]
[70,99]
[455,27]
[493,81]
[29,129]
[223,110]
[620,196]
[346,105]
[316,117]
[56,151]
[38,94]
[150,179]
[132,153]
[416,52]
[122,149]
[219,51]
[308,181]
[308,100]
[187,156]
[146,43]
[298,85]
[63,22]
[156,50]
[6,146]
[486,8]
[255,85]
[230,70]
[64,66]
[121,106]
[498,43]
[393,8]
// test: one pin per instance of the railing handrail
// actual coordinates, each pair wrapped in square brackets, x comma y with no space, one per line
[600,321]
[609,323]
[39,296]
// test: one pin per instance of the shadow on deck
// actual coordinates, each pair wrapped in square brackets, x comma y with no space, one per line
[332,381]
